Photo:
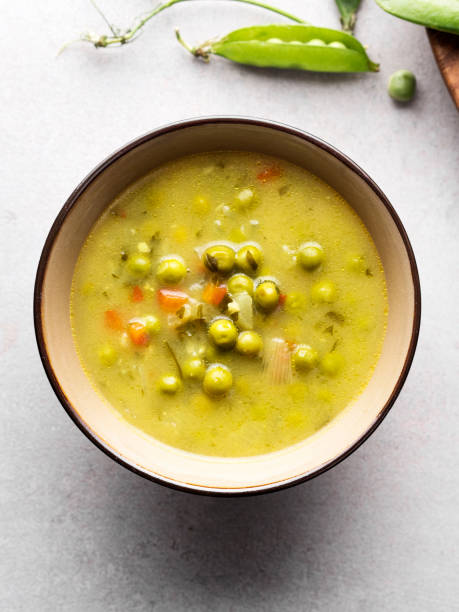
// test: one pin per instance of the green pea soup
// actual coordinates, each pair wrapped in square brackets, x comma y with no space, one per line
[229,303]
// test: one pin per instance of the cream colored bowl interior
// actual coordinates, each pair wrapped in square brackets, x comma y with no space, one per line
[176,466]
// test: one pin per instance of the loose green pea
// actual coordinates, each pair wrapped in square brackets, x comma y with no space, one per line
[194,369]
[239,283]
[402,85]
[219,258]
[316,42]
[152,324]
[249,258]
[310,255]
[138,264]
[218,380]
[223,333]
[337,45]
[107,355]
[266,295]
[305,357]
[332,363]
[170,270]
[323,291]
[169,384]
[249,343]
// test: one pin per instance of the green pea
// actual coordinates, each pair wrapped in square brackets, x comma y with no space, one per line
[249,343]
[218,380]
[316,42]
[219,258]
[240,283]
[138,264]
[152,324]
[170,270]
[266,295]
[249,258]
[107,355]
[332,363]
[310,255]
[223,333]
[402,85]
[194,369]
[169,384]
[337,45]
[323,291]
[305,357]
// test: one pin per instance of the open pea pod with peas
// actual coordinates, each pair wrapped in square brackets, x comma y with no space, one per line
[301,47]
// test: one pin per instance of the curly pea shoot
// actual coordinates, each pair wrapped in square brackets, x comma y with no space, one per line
[235,338]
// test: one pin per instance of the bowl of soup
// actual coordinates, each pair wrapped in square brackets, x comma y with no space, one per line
[227,306]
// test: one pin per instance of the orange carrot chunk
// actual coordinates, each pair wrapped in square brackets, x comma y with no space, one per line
[138,333]
[214,294]
[137,294]
[269,173]
[171,300]
[113,320]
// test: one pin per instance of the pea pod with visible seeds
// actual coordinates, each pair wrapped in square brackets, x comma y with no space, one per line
[437,14]
[301,47]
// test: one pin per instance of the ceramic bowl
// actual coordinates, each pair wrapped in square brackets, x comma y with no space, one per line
[160,462]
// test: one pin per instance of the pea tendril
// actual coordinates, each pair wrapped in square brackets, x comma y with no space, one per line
[119,37]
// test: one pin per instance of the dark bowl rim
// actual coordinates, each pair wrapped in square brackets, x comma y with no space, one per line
[71,202]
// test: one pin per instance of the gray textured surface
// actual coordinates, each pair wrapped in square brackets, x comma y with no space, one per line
[78,532]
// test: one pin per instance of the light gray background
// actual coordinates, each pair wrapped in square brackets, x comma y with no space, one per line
[78,532]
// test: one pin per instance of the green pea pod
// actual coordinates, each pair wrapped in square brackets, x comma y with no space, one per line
[437,14]
[348,11]
[301,47]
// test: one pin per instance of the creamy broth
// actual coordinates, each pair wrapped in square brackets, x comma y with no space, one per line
[146,341]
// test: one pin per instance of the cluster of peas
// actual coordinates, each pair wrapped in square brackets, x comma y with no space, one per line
[314,42]
[221,259]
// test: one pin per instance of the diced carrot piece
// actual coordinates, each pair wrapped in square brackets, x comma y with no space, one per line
[282,299]
[137,294]
[214,294]
[269,173]
[171,300]
[138,333]
[113,320]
